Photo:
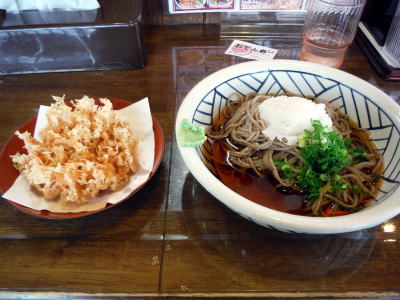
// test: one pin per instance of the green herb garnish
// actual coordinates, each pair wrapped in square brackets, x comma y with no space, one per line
[288,171]
[325,153]
[375,177]
[357,154]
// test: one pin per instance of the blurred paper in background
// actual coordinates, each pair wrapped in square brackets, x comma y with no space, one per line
[14,6]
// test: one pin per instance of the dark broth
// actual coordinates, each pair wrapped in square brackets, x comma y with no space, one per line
[262,190]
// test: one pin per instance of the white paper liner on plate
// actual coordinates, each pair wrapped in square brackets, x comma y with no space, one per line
[138,117]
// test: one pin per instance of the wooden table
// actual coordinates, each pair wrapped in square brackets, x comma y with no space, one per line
[173,238]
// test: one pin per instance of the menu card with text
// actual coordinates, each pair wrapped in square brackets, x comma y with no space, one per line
[196,6]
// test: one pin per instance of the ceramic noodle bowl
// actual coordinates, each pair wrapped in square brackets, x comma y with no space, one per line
[366,105]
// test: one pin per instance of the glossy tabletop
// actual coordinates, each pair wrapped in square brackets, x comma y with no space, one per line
[172,238]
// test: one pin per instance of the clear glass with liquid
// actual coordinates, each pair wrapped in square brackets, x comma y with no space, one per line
[329,29]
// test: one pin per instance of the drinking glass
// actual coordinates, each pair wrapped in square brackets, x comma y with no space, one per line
[392,43]
[329,29]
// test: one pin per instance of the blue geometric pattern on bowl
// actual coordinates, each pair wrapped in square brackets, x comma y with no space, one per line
[358,107]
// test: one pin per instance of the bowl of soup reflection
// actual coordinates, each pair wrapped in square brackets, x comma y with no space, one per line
[339,174]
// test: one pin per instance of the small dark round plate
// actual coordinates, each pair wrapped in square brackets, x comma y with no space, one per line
[9,174]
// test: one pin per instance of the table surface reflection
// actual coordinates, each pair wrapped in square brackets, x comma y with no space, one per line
[173,238]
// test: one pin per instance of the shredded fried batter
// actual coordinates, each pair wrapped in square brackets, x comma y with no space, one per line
[83,150]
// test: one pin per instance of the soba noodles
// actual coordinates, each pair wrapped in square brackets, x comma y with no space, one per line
[248,149]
